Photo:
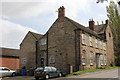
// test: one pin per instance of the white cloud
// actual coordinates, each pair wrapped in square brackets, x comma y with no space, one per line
[12,34]
[37,7]
[22,9]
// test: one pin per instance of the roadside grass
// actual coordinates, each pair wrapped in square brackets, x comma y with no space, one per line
[91,70]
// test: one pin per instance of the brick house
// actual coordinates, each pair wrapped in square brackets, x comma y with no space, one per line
[69,46]
[9,58]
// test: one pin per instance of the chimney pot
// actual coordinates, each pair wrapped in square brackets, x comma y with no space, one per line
[61,12]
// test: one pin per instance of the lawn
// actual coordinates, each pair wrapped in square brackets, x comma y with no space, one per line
[91,70]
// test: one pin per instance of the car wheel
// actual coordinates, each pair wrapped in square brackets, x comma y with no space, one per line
[60,74]
[47,77]
[36,78]
[13,74]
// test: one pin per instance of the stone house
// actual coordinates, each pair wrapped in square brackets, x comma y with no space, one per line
[69,46]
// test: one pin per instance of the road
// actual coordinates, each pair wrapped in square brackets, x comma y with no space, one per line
[111,74]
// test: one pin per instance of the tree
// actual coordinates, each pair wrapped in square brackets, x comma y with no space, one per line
[114,19]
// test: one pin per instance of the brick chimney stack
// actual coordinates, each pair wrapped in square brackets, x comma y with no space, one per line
[61,13]
[91,24]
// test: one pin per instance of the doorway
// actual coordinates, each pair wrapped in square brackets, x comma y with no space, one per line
[98,64]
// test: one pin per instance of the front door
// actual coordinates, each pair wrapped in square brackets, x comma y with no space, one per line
[98,60]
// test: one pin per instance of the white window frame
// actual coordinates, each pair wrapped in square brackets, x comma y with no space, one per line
[104,46]
[43,41]
[91,58]
[105,59]
[96,41]
[83,38]
[90,40]
[101,59]
[100,44]
[83,57]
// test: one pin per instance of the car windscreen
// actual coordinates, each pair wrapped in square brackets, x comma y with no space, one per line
[39,69]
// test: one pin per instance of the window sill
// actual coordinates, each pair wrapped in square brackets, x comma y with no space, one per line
[91,64]
[83,64]
[84,44]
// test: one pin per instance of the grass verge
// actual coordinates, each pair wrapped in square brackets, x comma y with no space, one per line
[91,70]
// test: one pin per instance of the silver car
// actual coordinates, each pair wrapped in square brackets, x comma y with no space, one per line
[4,71]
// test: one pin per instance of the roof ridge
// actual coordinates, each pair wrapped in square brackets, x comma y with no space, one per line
[79,26]
[35,33]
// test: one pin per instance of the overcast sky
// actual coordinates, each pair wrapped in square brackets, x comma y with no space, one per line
[17,18]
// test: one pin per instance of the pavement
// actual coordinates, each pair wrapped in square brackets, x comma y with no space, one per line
[111,74]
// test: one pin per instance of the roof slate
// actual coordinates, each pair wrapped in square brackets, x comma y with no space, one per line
[79,26]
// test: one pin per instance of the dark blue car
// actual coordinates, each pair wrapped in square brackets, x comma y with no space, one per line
[46,72]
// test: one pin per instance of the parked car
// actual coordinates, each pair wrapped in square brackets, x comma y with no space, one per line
[4,71]
[47,72]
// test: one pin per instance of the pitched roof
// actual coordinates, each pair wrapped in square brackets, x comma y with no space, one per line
[100,28]
[81,27]
[36,35]
[9,51]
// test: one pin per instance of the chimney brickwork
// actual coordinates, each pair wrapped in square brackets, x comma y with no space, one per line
[91,24]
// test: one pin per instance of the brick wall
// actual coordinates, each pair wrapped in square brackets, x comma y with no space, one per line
[11,63]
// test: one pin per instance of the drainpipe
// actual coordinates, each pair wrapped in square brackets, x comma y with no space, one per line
[36,53]
[77,49]
[47,50]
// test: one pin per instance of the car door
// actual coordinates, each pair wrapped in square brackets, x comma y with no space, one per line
[1,72]
[6,72]
[54,71]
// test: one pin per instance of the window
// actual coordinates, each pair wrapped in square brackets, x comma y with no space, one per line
[100,44]
[91,58]
[83,38]
[104,46]
[52,59]
[43,41]
[109,35]
[105,59]
[83,57]
[101,59]
[96,41]
[53,69]
[90,39]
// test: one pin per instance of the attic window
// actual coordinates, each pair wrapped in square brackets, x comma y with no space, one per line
[109,35]
[43,41]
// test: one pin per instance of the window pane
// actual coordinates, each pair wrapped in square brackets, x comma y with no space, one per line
[43,41]
[83,57]
[91,58]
